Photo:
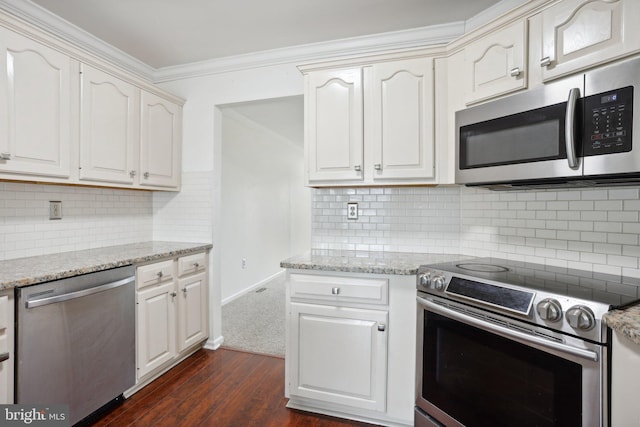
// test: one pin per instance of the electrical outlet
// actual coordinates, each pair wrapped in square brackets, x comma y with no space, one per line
[352,211]
[55,209]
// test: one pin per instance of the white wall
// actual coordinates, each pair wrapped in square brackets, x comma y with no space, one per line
[202,153]
[259,170]
[92,218]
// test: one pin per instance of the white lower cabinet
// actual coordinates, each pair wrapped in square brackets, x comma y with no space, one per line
[172,314]
[156,327]
[351,345]
[341,355]
[6,347]
[625,381]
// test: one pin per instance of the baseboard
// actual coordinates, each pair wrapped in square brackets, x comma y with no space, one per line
[214,344]
[253,287]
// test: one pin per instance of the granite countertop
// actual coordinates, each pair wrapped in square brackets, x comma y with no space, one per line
[37,269]
[625,321]
[399,263]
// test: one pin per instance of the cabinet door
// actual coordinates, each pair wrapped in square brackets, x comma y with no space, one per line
[160,137]
[401,120]
[496,64]
[156,327]
[35,111]
[339,355]
[578,34]
[108,128]
[334,125]
[192,310]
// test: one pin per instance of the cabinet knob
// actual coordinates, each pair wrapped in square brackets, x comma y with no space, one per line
[545,62]
[196,265]
[335,291]
[173,294]
[382,327]
[146,175]
[377,167]
[357,168]
[515,72]
[160,274]
[184,290]
[132,174]
[5,156]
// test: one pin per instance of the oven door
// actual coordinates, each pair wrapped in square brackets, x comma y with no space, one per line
[521,137]
[474,371]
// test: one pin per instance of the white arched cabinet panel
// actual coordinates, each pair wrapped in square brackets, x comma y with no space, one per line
[35,114]
[109,118]
[496,64]
[160,142]
[401,121]
[334,125]
[579,34]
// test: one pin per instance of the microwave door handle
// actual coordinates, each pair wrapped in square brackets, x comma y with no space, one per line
[569,128]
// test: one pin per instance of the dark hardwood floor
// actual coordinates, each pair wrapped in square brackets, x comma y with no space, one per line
[217,388]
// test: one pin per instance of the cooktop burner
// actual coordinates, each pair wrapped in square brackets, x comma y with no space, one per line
[482,268]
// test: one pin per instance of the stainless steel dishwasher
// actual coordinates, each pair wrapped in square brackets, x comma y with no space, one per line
[76,341]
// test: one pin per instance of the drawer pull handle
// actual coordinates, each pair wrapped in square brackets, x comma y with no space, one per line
[160,274]
[196,265]
[515,72]
[382,327]
[335,291]
[545,62]
[5,156]
[3,357]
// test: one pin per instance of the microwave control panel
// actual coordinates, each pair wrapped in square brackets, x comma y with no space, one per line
[608,122]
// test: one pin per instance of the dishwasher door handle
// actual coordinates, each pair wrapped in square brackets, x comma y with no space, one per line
[79,294]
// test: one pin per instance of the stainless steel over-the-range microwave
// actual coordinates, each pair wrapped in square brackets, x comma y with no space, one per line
[577,131]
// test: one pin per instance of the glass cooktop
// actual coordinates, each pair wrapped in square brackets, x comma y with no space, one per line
[614,290]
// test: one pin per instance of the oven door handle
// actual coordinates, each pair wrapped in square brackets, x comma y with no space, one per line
[509,333]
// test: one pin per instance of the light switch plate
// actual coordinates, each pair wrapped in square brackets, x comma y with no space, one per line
[352,211]
[55,209]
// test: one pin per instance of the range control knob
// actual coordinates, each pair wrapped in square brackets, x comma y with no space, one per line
[438,282]
[424,279]
[549,309]
[581,317]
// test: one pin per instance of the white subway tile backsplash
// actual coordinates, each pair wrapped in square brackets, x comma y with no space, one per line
[92,217]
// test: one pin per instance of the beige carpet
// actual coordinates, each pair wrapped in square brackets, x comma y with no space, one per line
[255,322]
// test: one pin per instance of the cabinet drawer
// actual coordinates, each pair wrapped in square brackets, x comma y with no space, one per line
[153,274]
[192,264]
[340,289]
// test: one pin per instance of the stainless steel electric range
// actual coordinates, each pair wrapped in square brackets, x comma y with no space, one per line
[506,343]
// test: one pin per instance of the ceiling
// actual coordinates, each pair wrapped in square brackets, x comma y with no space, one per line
[163,33]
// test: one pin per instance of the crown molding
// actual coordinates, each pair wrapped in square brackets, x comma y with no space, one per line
[335,49]
[434,35]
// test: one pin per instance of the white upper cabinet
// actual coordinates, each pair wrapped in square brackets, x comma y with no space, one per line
[35,108]
[579,34]
[334,133]
[371,124]
[108,128]
[401,120]
[497,63]
[160,142]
